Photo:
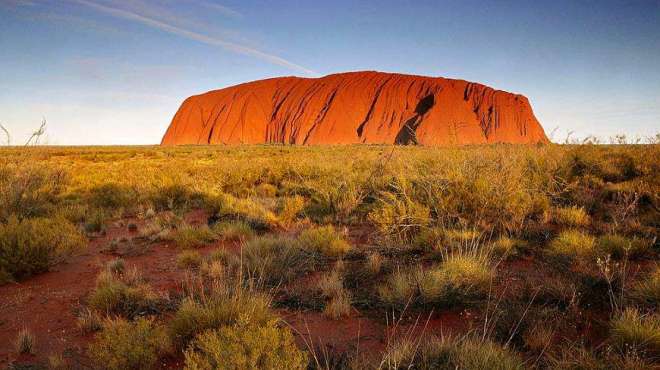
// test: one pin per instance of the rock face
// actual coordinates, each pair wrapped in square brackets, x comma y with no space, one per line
[356,107]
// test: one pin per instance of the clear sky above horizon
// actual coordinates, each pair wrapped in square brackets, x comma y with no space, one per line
[114,72]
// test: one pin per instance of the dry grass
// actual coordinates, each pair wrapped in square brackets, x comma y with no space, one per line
[418,218]
[25,342]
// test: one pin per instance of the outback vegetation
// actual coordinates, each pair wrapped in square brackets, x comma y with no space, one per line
[339,257]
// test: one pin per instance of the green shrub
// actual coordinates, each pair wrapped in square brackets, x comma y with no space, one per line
[573,244]
[619,246]
[245,346]
[221,309]
[125,345]
[324,240]
[632,331]
[233,230]
[647,291]
[32,246]
[188,259]
[191,237]
[274,260]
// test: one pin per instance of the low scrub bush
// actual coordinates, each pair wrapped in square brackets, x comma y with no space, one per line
[632,331]
[32,246]
[112,196]
[338,300]
[29,190]
[324,240]
[245,346]
[126,345]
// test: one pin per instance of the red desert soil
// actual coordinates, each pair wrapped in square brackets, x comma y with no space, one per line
[356,107]
[47,305]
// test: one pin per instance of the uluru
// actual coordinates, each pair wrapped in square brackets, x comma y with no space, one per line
[356,107]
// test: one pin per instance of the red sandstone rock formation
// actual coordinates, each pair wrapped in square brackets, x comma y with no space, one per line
[356,107]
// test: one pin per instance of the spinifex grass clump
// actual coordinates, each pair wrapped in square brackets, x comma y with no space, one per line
[275,260]
[469,353]
[573,244]
[123,294]
[570,216]
[191,236]
[188,259]
[634,331]
[233,230]
[459,279]
[619,246]
[338,299]
[647,290]
[324,240]
[463,276]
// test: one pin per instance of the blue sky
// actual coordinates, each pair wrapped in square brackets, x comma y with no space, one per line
[114,72]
